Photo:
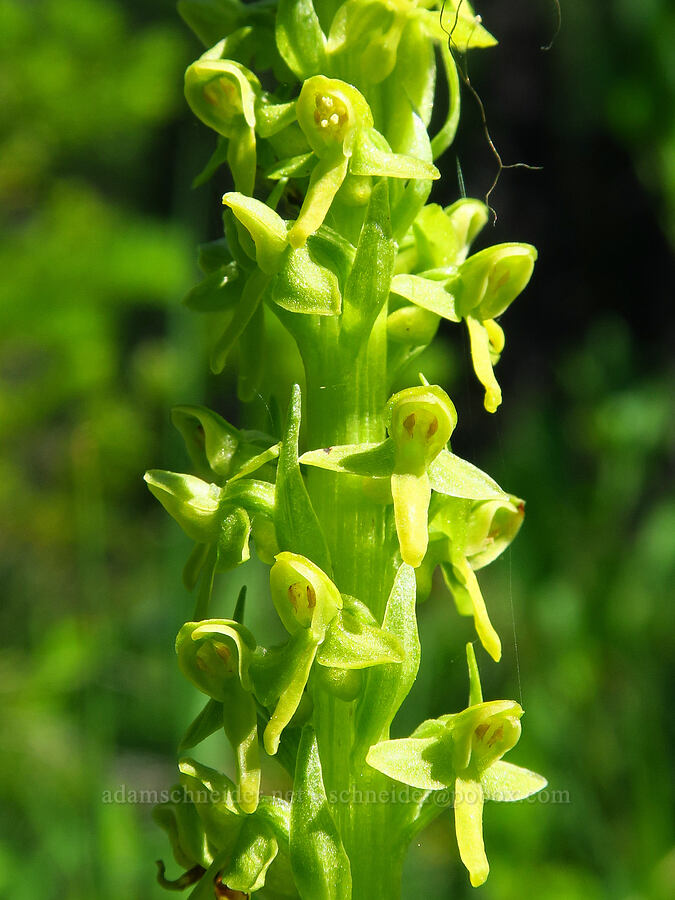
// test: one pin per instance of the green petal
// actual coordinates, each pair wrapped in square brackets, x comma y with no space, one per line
[505,782]
[469,829]
[412,761]
[482,363]
[213,652]
[303,595]
[411,495]
[193,503]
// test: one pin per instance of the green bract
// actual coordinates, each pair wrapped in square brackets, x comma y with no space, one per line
[322,111]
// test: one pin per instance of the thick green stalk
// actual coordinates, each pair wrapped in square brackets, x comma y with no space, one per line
[345,399]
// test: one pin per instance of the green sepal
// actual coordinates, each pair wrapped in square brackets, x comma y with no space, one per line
[211,668]
[354,640]
[320,864]
[209,720]
[368,459]
[426,293]
[507,783]
[300,40]
[272,118]
[251,494]
[265,226]
[490,280]
[423,762]
[437,244]
[387,686]
[217,159]
[367,288]
[319,100]
[455,477]
[304,286]
[251,297]
[193,503]
[180,820]
[297,526]
[372,157]
[211,442]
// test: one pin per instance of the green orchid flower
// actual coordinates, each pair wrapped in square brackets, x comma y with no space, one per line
[215,655]
[476,290]
[415,461]
[338,126]
[465,536]
[229,98]
[463,752]
[334,630]
[236,853]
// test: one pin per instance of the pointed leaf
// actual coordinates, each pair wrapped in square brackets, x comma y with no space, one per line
[318,858]
[209,720]
[300,40]
[297,526]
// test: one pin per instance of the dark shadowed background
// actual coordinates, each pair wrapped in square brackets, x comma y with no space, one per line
[99,226]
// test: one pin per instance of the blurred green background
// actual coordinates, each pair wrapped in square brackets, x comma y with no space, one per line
[99,227]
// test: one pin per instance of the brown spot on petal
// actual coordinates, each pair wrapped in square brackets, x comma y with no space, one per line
[480,731]
[433,427]
[409,423]
[497,736]
[311,597]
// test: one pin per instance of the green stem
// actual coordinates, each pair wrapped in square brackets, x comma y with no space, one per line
[345,399]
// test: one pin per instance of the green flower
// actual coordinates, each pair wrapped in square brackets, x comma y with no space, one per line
[465,536]
[463,752]
[415,461]
[215,656]
[226,849]
[476,290]
[336,631]
[338,126]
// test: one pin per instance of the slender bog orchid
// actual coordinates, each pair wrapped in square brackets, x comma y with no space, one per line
[322,113]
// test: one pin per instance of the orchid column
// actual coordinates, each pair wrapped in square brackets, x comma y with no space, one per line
[328,229]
